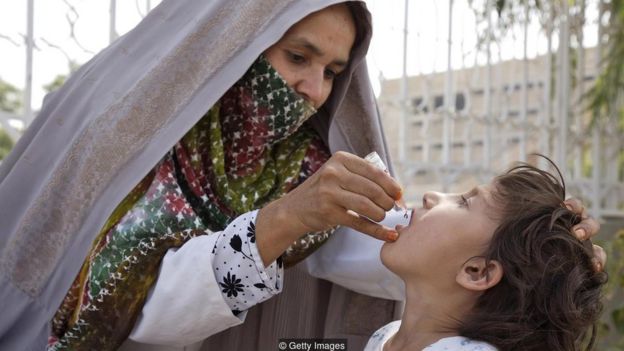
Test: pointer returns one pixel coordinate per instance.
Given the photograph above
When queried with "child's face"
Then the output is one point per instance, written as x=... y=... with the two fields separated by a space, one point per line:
x=442 y=235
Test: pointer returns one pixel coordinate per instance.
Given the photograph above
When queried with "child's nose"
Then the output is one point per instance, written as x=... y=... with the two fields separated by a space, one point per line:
x=430 y=199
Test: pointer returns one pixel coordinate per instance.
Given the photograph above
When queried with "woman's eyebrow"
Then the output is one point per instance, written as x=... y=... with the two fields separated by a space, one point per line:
x=304 y=42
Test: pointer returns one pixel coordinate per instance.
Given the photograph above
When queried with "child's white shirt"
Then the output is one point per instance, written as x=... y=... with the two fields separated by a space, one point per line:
x=453 y=343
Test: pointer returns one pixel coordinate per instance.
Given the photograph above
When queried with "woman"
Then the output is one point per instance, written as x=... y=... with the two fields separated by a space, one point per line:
x=496 y=268
x=70 y=190
x=104 y=131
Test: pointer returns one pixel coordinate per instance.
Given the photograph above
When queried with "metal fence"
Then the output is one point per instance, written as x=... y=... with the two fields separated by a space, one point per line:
x=468 y=123
x=75 y=48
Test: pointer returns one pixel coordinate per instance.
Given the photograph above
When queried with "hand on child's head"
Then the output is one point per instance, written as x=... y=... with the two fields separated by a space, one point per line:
x=586 y=229
x=600 y=258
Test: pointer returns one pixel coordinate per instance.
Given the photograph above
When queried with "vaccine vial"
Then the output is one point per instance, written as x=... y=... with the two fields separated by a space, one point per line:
x=374 y=158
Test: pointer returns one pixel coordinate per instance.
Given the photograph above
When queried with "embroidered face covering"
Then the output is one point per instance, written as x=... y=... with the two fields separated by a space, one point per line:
x=249 y=149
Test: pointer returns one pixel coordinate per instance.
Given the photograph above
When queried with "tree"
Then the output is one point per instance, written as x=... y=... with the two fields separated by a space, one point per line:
x=6 y=144
x=10 y=101
x=10 y=97
x=60 y=79
x=605 y=103
x=606 y=96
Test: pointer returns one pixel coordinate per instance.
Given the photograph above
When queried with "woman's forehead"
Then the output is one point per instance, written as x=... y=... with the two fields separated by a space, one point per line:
x=337 y=12
x=335 y=17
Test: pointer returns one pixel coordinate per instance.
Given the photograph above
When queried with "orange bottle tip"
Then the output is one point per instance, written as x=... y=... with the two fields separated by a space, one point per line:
x=392 y=236
x=399 y=196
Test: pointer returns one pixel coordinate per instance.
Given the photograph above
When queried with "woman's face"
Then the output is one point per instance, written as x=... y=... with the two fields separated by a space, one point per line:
x=314 y=51
x=442 y=235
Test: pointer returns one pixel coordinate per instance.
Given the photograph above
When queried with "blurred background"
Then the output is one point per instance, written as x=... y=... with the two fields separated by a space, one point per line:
x=465 y=88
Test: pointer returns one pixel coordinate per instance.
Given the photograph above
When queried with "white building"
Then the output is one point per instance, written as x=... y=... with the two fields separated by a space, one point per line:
x=495 y=116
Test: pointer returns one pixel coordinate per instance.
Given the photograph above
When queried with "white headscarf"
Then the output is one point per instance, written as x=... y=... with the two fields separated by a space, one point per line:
x=97 y=136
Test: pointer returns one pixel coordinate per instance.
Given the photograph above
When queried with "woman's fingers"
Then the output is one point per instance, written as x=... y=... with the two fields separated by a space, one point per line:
x=600 y=258
x=575 y=205
x=362 y=205
x=345 y=174
x=367 y=188
x=588 y=227
x=366 y=226
x=348 y=191
x=357 y=165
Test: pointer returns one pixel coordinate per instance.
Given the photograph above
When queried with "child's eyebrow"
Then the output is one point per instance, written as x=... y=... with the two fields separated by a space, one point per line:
x=476 y=191
x=482 y=193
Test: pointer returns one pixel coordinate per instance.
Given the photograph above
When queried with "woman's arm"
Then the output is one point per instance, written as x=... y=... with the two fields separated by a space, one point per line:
x=190 y=299
x=206 y=286
x=346 y=191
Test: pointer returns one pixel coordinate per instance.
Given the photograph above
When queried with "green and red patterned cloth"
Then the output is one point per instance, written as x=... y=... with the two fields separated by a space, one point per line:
x=250 y=148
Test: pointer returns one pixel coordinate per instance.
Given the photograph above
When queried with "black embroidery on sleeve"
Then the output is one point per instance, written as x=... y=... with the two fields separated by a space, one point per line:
x=231 y=285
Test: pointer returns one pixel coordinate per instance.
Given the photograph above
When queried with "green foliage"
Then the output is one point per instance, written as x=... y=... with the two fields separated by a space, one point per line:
x=10 y=97
x=58 y=81
x=621 y=167
x=6 y=144
x=618 y=319
x=509 y=14
x=10 y=101
x=611 y=328
x=606 y=95
x=605 y=100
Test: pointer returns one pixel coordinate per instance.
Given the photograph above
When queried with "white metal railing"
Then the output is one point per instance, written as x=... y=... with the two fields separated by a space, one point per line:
x=550 y=119
x=503 y=124
x=33 y=38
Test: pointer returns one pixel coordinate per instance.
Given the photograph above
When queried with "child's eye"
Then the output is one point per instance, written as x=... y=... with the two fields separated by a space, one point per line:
x=463 y=202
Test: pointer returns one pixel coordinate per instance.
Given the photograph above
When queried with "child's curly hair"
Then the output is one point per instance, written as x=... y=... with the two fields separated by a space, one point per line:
x=550 y=295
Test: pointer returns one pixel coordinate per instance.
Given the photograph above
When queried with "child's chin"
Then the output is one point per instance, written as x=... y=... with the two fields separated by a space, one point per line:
x=385 y=256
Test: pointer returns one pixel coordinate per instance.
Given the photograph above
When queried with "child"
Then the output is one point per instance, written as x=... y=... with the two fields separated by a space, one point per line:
x=496 y=268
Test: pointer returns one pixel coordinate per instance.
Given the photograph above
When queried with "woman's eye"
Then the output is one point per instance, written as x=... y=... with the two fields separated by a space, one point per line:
x=295 y=57
x=329 y=74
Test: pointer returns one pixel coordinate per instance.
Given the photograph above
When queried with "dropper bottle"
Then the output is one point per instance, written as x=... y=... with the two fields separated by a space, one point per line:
x=374 y=158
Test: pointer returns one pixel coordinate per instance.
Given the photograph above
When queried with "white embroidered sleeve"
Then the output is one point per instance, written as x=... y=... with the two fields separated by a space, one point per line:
x=205 y=286
x=238 y=267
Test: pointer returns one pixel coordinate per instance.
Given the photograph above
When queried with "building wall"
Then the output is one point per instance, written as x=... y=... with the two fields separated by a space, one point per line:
x=485 y=134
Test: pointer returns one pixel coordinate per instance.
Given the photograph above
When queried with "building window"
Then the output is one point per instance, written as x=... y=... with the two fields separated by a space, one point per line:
x=438 y=101
x=420 y=105
x=460 y=102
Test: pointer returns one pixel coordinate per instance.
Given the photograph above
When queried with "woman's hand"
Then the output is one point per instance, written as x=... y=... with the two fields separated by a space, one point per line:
x=346 y=191
x=586 y=229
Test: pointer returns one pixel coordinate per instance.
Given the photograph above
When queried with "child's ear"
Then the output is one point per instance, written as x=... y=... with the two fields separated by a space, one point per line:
x=477 y=274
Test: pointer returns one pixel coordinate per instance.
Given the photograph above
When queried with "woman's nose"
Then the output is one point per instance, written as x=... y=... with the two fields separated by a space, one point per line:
x=312 y=88
x=430 y=199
